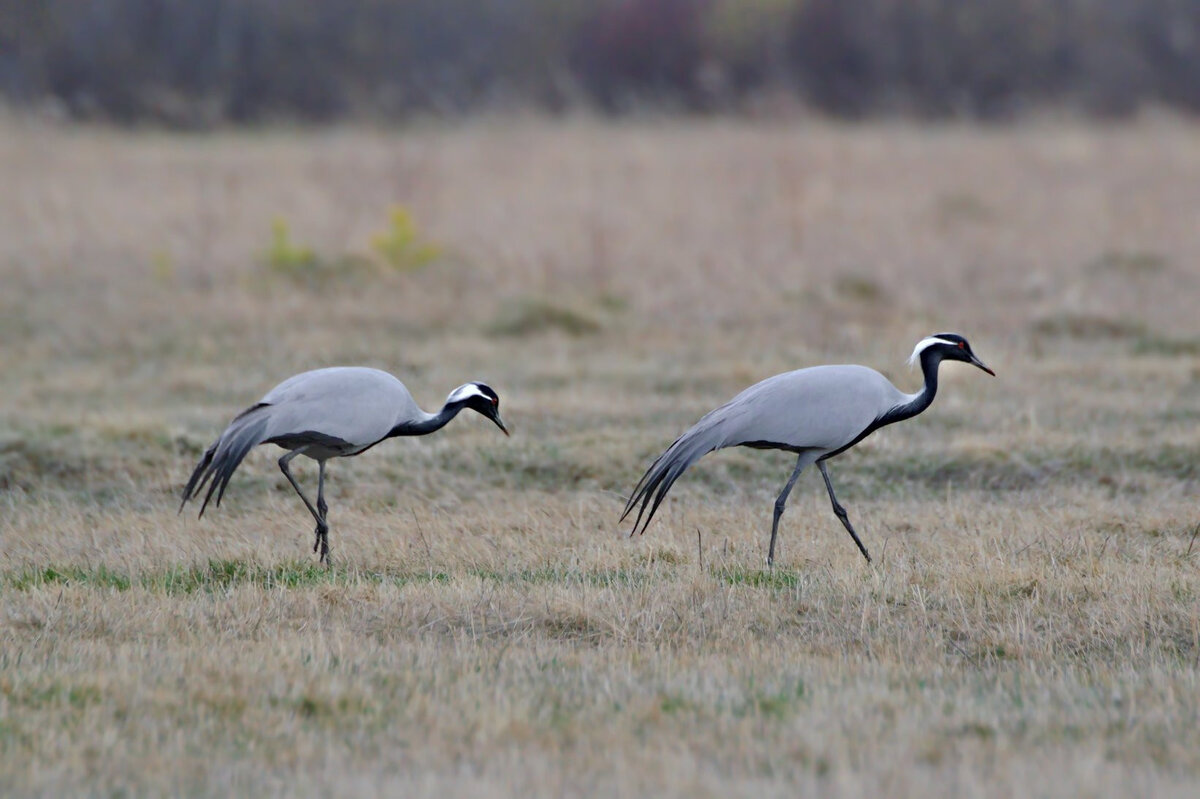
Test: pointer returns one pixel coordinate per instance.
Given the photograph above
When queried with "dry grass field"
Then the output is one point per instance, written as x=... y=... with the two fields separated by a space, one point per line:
x=1030 y=626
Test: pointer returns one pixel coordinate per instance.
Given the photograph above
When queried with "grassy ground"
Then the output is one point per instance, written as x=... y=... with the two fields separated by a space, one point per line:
x=1030 y=625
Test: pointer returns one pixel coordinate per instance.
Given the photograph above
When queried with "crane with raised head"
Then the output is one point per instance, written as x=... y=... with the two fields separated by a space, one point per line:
x=816 y=413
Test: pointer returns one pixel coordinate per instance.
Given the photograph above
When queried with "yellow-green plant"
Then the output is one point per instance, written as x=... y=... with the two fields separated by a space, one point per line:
x=400 y=246
x=284 y=255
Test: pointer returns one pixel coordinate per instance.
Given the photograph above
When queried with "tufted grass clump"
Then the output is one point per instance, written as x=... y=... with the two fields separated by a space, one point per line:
x=1087 y=326
x=529 y=316
x=1133 y=263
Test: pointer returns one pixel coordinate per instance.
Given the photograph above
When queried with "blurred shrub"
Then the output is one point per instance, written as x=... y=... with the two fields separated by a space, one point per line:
x=284 y=256
x=648 y=49
x=203 y=63
x=746 y=44
x=399 y=246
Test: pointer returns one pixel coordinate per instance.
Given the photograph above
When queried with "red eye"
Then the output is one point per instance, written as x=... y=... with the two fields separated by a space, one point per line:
x=961 y=345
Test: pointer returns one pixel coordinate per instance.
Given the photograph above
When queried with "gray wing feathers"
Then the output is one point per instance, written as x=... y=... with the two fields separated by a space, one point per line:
x=357 y=405
x=822 y=408
x=220 y=460
x=652 y=489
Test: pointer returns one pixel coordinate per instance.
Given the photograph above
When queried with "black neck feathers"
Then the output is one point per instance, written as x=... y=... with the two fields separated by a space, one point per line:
x=430 y=424
x=929 y=368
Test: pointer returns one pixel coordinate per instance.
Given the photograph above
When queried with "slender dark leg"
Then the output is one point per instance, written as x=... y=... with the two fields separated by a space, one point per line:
x=781 y=502
x=840 y=511
x=322 y=528
x=323 y=509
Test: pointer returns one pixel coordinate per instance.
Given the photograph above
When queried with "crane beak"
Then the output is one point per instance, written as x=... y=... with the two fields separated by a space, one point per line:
x=500 y=423
x=981 y=365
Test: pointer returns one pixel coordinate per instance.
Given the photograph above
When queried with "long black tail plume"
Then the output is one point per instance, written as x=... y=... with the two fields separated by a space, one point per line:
x=652 y=489
x=220 y=460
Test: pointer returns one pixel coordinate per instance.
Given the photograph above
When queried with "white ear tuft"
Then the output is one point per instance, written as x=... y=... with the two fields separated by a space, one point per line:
x=463 y=392
x=923 y=345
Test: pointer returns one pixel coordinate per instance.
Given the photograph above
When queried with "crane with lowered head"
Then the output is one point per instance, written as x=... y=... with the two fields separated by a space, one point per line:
x=328 y=413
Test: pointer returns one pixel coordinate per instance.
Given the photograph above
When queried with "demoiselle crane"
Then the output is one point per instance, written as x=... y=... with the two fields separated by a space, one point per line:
x=328 y=413
x=816 y=413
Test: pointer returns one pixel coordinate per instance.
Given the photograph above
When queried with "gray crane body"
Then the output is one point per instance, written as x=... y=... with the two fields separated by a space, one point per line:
x=328 y=413
x=790 y=407
x=368 y=405
x=817 y=413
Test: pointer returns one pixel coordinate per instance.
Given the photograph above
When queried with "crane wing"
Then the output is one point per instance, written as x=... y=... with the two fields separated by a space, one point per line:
x=355 y=405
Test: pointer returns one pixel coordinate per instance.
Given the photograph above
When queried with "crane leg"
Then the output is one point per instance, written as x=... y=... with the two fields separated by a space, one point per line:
x=322 y=528
x=781 y=503
x=840 y=511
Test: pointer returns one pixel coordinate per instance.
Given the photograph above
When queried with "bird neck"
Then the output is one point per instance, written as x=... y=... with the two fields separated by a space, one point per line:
x=429 y=423
x=922 y=399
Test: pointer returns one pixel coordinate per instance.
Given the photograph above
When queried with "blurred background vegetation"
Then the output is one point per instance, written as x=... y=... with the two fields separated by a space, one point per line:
x=195 y=65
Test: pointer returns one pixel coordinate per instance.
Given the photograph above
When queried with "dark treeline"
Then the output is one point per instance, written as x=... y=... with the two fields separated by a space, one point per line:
x=196 y=63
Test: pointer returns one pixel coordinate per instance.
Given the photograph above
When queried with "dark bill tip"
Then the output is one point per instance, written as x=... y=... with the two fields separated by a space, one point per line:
x=982 y=365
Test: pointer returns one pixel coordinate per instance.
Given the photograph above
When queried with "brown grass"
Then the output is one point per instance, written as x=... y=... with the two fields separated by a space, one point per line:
x=1030 y=625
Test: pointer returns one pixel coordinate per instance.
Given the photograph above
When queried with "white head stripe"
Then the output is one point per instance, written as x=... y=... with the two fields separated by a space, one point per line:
x=924 y=344
x=465 y=391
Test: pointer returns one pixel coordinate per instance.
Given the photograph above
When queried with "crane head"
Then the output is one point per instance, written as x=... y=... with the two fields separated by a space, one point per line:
x=480 y=398
x=947 y=347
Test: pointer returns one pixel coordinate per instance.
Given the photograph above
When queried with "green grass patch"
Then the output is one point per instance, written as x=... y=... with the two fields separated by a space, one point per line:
x=97 y=577
x=1129 y=262
x=673 y=703
x=546 y=575
x=320 y=707
x=759 y=578
x=53 y=694
x=213 y=577
x=217 y=576
x=1154 y=344
x=220 y=575
x=774 y=703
